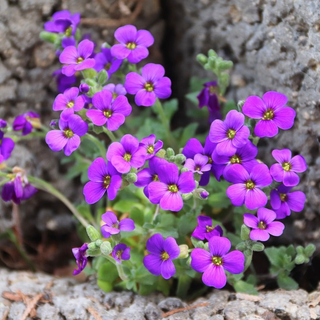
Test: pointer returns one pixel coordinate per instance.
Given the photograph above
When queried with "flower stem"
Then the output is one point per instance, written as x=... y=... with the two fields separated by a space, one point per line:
x=98 y=143
x=122 y=275
x=156 y=212
x=109 y=134
x=44 y=186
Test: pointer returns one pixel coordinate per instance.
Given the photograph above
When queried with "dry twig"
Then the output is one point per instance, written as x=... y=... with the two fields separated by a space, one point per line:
x=167 y=314
x=94 y=313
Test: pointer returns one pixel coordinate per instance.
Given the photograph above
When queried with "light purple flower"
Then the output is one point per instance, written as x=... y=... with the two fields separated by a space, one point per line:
x=285 y=170
x=205 y=230
x=162 y=252
x=3 y=123
x=68 y=137
x=64 y=82
x=126 y=154
x=271 y=111
x=263 y=225
x=77 y=59
x=121 y=252
x=149 y=86
x=283 y=201
x=151 y=146
x=229 y=134
x=199 y=164
x=69 y=102
x=133 y=44
x=26 y=122
x=81 y=258
x=214 y=263
x=167 y=191
x=104 y=60
x=246 y=189
x=104 y=178
x=1 y=158
x=6 y=146
x=113 y=226
x=116 y=90
x=112 y=114
x=63 y=22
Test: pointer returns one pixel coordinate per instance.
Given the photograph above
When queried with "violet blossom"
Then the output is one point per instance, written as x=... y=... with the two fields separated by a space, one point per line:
x=105 y=60
x=151 y=146
x=84 y=88
x=263 y=225
x=3 y=123
x=149 y=86
x=121 y=252
x=64 y=82
x=116 y=90
x=199 y=164
x=80 y=255
x=214 y=263
x=162 y=252
x=104 y=178
x=26 y=122
x=205 y=230
x=271 y=111
x=6 y=146
x=63 y=22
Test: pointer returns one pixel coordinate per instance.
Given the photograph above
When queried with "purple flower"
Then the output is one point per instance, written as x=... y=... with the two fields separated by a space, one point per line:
x=126 y=154
x=133 y=44
x=64 y=82
x=77 y=59
x=104 y=178
x=63 y=22
x=283 y=201
x=193 y=147
x=121 y=252
x=81 y=258
x=263 y=225
x=147 y=175
x=167 y=191
x=69 y=102
x=214 y=263
x=162 y=252
x=6 y=146
x=199 y=164
x=104 y=60
x=151 y=146
x=113 y=114
x=84 y=88
x=26 y=122
x=68 y=137
x=204 y=194
x=285 y=170
x=205 y=230
x=116 y=90
x=271 y=111
x=244 y=156
x=229 y=134
x=88 y=102
x=150 y=85
x=1 y=158
x=113 y=226
x=3 y=123
x=246 y=189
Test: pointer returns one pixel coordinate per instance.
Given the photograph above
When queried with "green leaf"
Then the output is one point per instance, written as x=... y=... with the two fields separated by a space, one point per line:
x=107 y=272
x=89 y=73
x=102 y=76
x=166 y=232
x=242 y=286
x=105 y=286
x=309 y=250
x=163 y=286
x=275 y=256
x=48 y=36
x=187 y=223
x=188 y=132
x=192 y=96
x=286 y=282
x=184 y=282
x=170 y=107
x=219 y=200
x=142 y=275
x=145 y=290
x=124 y=205
x=137 y=215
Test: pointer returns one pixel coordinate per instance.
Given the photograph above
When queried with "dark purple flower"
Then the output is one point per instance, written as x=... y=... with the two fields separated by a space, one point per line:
x=68 y=137
x=88 y=102
x=151 y=146
x=6 y=146
x=263 y=225
x=126 y=154
x=64 y=82
x=162 y=252
x=244 y=156
x=104 y=60
x=285 y=170
x=283 y=201
x=214 y=263
x=81 y=258
x=26 y=122
x=167 y=191
x=104 y=178
x=133 y=44
x=205 y=230
x=204 y=194
x=193 y=147
x=116 y=90
x=199 y=164
x=84 y=88
x=69 y=102
x=112 y=114
x=77 y=59
x=121 y=252
x=271 y=111
x=113 y=226
x=3 y=123
x=229 y=134
x=149 y=86
x=246 y=189
x=147 y=175
x=63 y=22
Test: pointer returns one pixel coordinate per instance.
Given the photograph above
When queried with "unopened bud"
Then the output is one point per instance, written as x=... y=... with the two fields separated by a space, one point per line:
x=184 y=251
x=171 y=159
x=131 y=177
x=300 y=258
x=102 y=76
x=204 y=194
x=3 y=123
x=92 y=246
x=93 y=252
x=184 y=169
x=53 y=124
x=241 y=246
x=106 y=248
x=161 y=153
x=258 y=246
x=201 y=58
x=188 y=262
x=98 y=243
x=186 y=196
x=245 y=232
x=92 y=233
x=212 y=53
x=170 y=152
x=180 y=158
x=106 y=45
x=309 y=250
x=84 y=88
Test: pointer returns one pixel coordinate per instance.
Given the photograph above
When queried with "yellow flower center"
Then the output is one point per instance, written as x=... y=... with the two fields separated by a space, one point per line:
x=79 y=60
x=35 y=122
x=231 y=133
x=68 y=32
x=210 y=161
x=148 y=86
x=217 y=260
x=197 y=168
x=107 y=113
x=286 y=166
x=131 y=45
x=212 y=89
x=155 y=177
x=68 y=133
x=127 y=157
x=119 y=253
x=114 y=95
x=268 y=115
x=283 y=197
x=164 y=256
x=173 y=188
x=262 y=225
x=70 y=104
x=209 y=229
x=150 y=149
x=106 y=181
x=107 y=66
x=250 y=184
x=235 y=159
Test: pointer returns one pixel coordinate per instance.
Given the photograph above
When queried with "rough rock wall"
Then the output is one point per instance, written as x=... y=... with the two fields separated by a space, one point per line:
x=275 y=46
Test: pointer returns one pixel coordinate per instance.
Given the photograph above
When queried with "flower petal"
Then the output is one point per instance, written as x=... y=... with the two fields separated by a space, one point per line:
x=281 y=156
x=171 y=247
x=115 y=121
x=250 y=220
x=218 y=131
x=296 y=200
x=153 y=264
x=298 y=164
x=275 y=228
x=93 y=191
x=219 y=246
x=186 y=182
x=102 y=99
x=234 y=120
x=152 y=72
x=266 y=128
x=69 y=55
x=214 y=276
x=274 y=100
x=155 y=244
x=284 y=118
x=237 y=174
x=290 y=179
x=144 y=38
x=233 y=262
x=138 y=54
x=266 y=215
x=255 y=199
x=162 y=88
x=237 y=194
x=121 y=105
x=114 y=186
x=254 y=107
x=200 y=259
x=125 y=34
x=275 y=200
x=167 y=269
x=97 y=117
x=56 y=140
x=145 y=98
x=259 y=234
x=126 y=225
x=192 y=147
x=156 y=191
x=277 y=172
x=72 y=145
x=120 y=51
x=85 y=48
x=171 y=201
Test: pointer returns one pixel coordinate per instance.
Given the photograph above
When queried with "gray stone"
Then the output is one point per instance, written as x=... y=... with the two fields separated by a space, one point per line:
x=152 y=312
x=170 y=304
x=239 y=309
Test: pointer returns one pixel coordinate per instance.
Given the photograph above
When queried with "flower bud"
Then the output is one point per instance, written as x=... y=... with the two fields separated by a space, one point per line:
x=84 y=88
x=186 y=196
x=170 y=152
x=184 y=169
x=3 y=123
x=98 y=243
x=48 y=36
x=184 y=251
x=93 y=252
x=258 y=246
x=92 y=233
x=188 y=262
x=116 y=237
x=300 y=258
x=212 y=53
x=309 y=250
x=106 y=45
x=102 y=76
x=204 y=194
x=106 y=248
x=53 y=124
x=202 y=59
x=245 y=232
x=241 y=246
x=180 y=158
x=161 y=153
x=92 y=246
x=131 y=177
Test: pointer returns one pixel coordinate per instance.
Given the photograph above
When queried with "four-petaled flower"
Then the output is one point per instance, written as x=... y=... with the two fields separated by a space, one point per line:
x=63 y=82
x=116 y=90
x=271 y=111
x=162 y=252
x=26 y=122
x=105 y=60
x=151 y=146
x=205 y=230
x=133 y=44
x=121 y=252
x=263 y=225
x=214 y=263
x=149 y=86
x=104 y=178
x=199 y=164
x=285 y=170
x=81 y=258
